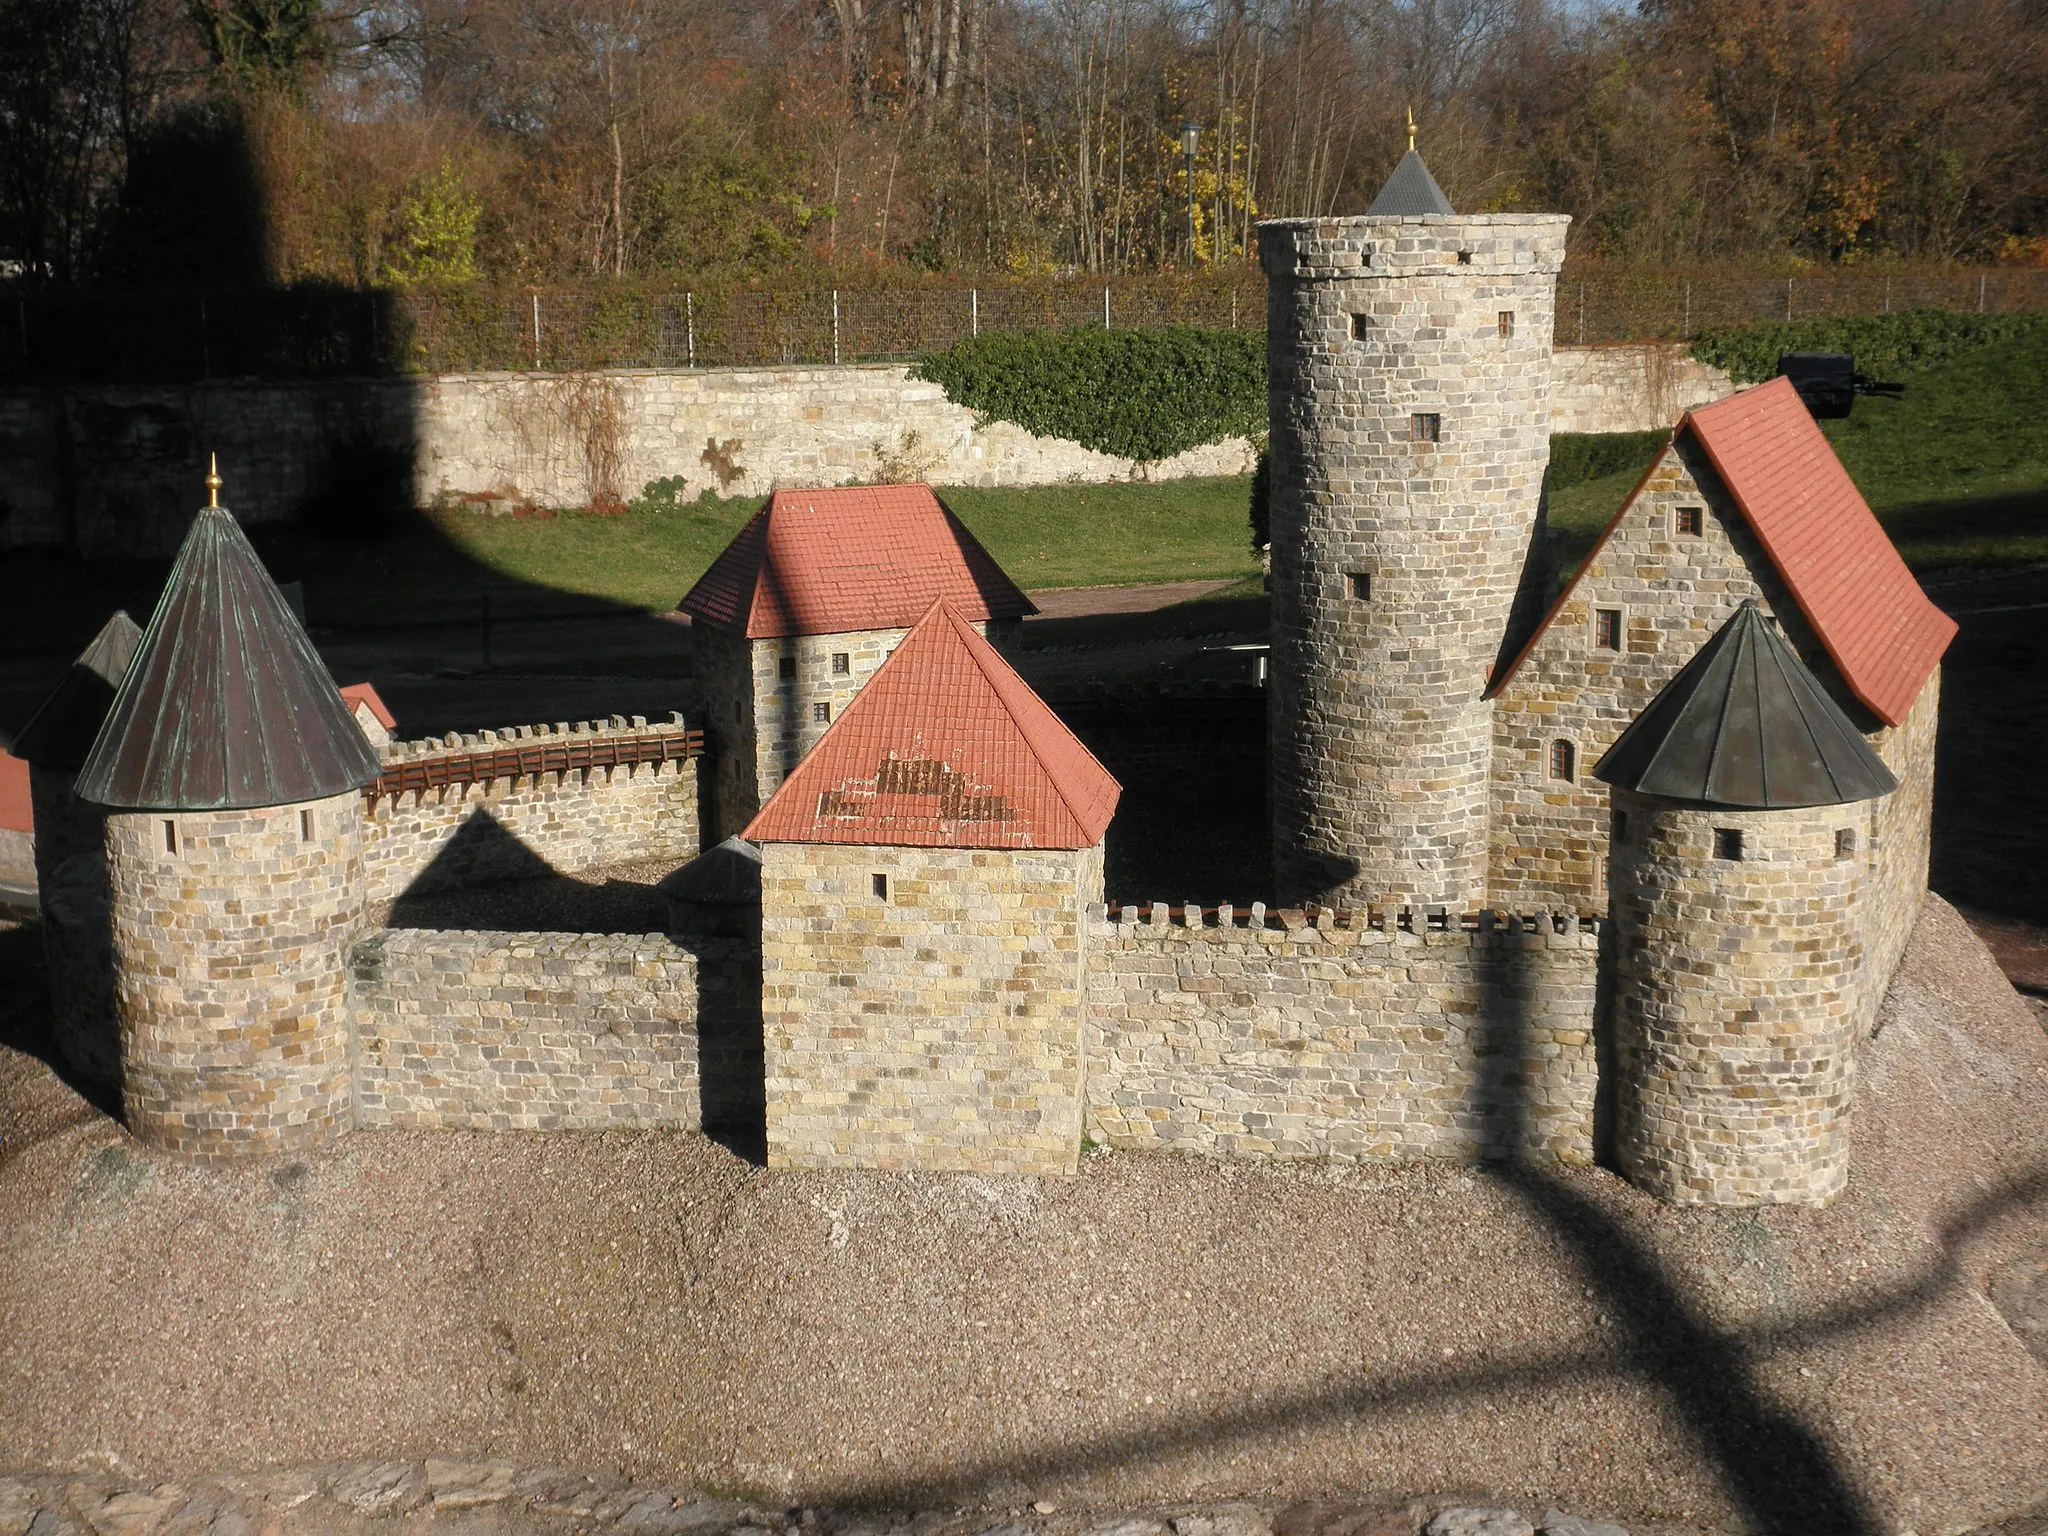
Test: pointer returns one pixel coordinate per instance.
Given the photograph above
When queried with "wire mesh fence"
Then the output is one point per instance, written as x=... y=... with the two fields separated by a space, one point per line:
x=329 y=332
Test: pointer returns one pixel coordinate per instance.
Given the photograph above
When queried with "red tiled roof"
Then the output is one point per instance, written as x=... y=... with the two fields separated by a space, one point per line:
x=363 y=693
x=17 y=811
x=1882 y=632
x=945 y=747
x=824 y=562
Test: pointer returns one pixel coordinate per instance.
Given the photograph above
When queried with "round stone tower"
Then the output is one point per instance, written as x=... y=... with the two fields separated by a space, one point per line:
x=1408 y=355
x=1742 y=808
x=232 y=775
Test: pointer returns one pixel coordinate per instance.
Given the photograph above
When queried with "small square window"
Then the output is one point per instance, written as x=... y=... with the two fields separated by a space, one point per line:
x=785 y=669
x=738 y=713
x=1607 y=629
x=1464 y=258
x=1845 y=843
x=1564 y=761
x=1690 y=522
x=1360 y=327
x=1507 y=324
x=821 y=713
x=1728 y=843
x=881 y=887
x=842 y=663
x=1425 y=427
x=305 y=826
x=170 y=837
x=1359 y=585
x=1620 y=825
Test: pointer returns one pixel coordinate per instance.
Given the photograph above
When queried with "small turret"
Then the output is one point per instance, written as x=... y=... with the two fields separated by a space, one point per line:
x=231 y=773
x=1742 y=808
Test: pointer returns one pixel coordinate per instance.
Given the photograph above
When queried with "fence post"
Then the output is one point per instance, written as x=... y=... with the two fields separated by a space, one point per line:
x=536 y=333
x=1233 y=309
x=974 y=311
x=1686 y=329
x=1105 y=306
x=372 y=297
x=1887 y=295
x=1788 y=298
x=1980 y=292
x=690 y=325
x=1582 y=314
x=835 y=327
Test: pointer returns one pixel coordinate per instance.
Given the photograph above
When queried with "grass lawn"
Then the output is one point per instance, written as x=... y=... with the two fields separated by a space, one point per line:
x=1957 y=470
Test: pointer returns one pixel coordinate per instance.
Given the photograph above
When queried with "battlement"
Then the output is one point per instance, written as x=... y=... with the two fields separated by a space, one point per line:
x=1258 y=924
x=458 y=760
x=1439 y=245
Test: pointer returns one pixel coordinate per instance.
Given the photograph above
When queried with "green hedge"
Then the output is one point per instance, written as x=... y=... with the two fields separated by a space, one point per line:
x=1576 y=457
x=1884 y=346
x=1142 y=395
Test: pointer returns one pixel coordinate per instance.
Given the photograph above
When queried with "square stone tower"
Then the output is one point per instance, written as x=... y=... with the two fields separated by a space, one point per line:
x=802 y=607
x=1409 y=364
x=925 y=878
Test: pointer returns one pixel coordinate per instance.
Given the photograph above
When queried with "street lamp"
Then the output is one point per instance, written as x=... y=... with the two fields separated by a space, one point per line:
x=1191 y=141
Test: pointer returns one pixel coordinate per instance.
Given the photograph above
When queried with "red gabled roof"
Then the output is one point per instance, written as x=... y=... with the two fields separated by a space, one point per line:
x=362 y=693
x=1882 y=632
x=945 y=747
x=825 y=562
x=17 y=809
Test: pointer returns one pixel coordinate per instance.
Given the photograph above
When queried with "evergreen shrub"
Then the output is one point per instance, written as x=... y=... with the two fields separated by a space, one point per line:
x=1887 y=347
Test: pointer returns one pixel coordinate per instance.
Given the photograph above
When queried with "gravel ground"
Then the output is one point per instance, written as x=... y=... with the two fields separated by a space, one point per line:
x=1156 y=1330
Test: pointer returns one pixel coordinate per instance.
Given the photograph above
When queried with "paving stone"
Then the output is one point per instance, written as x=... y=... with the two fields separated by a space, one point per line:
x=133 y=1514
x=379 y=1488
x=1467 y=1521
x=465 y=1485
x=1557 y=1523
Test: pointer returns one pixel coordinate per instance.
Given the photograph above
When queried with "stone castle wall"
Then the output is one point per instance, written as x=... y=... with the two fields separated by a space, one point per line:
x=109 y=470
x=937 y=1025
x=1408 y=369
x=1328 y=1040
x=525 y=1031
x=1737 y=983
x=513 y=826
x=230 y=932
x=1630 y=388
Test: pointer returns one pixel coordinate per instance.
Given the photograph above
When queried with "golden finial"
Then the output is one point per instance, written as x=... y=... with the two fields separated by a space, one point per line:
x=1411 y=130
x=213 y=481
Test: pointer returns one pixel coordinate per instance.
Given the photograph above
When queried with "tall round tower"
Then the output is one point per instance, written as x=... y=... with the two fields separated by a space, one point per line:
x=1742 y=810
x=1408 y=355
x=232 y=774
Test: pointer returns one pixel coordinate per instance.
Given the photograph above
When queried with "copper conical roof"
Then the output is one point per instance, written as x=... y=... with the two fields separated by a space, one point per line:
x=1410 y=192
x=226 y=705
x=61 y=731
x=1746 y=725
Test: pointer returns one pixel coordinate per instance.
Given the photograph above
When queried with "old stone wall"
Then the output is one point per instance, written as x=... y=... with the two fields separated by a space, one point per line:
x=1408 y=371
x=1737 y=981
x=1900 y=840
x=1235 y=1036
x=526 y=1031
x=933 y=1023
x=230 y=932
x=509 y=827
x=111 y=470
x=1632 y=388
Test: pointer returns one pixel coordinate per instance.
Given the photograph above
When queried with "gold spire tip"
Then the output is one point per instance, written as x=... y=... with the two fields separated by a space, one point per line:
x=213 y=481
x=1411 y=130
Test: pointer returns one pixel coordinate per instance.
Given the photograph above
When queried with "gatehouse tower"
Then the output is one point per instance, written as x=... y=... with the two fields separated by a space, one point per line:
x=1409 y=366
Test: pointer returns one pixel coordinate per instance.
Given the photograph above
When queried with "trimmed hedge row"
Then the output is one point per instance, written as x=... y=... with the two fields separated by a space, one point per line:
x=1884 y=346
x=1143 y=395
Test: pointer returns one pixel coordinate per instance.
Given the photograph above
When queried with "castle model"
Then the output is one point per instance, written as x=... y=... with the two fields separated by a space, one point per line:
x=1619 y=872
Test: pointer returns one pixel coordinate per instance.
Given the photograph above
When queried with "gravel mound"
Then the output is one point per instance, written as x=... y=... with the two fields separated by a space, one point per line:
x=1155 y=1331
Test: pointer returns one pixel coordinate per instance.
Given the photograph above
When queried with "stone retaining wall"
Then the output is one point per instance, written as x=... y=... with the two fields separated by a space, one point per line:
x=524 y=1031
x=1311 y=1039
x=114 y=469
x=420 y=841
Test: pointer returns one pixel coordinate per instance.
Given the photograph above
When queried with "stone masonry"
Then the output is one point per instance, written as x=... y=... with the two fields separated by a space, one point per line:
x=1408 y=364
x=420 y=841
x=936 y=1024
x=231 y=931
x=1229 y=1034
x=1737 y=981
x=525 y=1031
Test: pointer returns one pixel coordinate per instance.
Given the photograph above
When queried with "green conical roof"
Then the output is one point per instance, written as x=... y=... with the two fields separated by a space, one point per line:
x=226 y=705
x=1745 y=725
x=61 y=731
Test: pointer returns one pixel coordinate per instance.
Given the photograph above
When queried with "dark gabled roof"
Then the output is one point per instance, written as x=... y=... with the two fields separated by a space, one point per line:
x=227 y=704
x=61 y=731
x=1411 y=192
x=1746 y=725
x=726 y=876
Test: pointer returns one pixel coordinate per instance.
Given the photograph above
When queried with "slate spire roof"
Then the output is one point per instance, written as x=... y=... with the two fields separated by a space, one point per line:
x=945 y=747
x=1410 y=192
x=826 y=562
x=1746 y=725
x=226 y=704
x=61 y=731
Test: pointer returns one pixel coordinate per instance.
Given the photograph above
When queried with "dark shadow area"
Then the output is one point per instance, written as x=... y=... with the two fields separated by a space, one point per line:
x=25 y=1021
x=731 y=1058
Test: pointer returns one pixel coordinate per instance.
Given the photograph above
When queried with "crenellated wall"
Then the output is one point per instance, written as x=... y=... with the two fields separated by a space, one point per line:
x=1233 y=1033
x=486 y=820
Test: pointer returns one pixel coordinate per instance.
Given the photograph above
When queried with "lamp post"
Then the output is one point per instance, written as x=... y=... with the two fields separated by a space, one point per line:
x=1190 y=141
